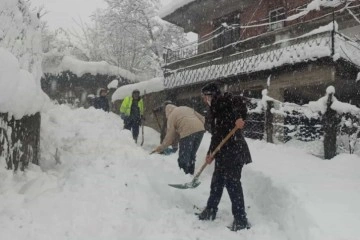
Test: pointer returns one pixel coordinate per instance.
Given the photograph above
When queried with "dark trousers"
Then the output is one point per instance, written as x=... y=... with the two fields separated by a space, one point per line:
x=188 y=147
x=234 y=188
x=133 y=125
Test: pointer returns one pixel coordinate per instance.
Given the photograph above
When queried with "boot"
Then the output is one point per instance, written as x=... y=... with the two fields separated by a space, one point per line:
x=208 y=214
x=239 y=225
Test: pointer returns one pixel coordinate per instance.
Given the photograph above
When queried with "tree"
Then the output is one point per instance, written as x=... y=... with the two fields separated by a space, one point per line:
x=129 y=34
x=20 y=33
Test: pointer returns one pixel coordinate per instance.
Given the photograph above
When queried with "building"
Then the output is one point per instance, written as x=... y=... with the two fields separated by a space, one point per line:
x=294 y=48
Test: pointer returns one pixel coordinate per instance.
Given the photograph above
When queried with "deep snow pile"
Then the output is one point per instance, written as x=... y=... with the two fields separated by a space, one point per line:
x=20 y=59
x=107 y=187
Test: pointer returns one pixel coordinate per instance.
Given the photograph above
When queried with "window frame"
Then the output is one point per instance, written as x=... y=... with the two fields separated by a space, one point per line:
x=274 y=23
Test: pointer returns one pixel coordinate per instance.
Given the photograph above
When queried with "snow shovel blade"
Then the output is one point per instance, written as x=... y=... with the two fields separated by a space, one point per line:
x=193 y=184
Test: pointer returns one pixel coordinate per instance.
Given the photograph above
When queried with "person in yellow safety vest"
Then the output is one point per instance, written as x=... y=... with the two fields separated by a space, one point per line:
x=132 y=112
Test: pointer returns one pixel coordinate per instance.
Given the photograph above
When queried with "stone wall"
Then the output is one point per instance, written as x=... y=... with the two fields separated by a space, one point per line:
x=20 y=140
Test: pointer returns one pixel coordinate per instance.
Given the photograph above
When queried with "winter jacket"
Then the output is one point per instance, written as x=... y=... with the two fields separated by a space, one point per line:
x=101 y=103
x=125 y=107
x=182 y=121
x=221 y=118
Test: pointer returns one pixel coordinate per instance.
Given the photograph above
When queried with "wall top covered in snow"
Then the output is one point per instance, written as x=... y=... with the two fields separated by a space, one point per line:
x=153 y=85
x=55 y=64
x=20 y=93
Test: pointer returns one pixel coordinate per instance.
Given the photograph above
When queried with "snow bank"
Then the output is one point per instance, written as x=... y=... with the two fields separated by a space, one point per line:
x=152 y=85
x=20 y=59
x=52 y=64
x=107 y=187
x=20 y=93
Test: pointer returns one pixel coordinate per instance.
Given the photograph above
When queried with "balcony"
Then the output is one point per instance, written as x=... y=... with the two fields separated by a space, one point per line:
x=226 y=62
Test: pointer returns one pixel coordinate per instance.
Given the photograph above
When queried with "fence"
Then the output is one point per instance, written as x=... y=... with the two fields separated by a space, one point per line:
x=323 y=128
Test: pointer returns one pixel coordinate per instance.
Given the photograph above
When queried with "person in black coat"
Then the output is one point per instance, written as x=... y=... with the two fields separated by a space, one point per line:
x=102 y=102
x=226 y=112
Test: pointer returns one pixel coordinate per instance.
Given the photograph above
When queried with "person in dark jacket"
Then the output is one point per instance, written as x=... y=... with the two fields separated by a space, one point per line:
x=226 y=112
x=102 y=102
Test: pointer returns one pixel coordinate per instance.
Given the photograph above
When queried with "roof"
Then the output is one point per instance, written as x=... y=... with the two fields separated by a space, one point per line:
x=189 y=14
x=172 y=5
x=57 y=63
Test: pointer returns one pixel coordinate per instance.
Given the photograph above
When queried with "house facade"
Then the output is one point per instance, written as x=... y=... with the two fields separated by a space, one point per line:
x=295 y=49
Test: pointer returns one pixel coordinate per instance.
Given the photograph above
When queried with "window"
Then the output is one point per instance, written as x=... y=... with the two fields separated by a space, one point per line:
x=275 y=16
x=230 y=27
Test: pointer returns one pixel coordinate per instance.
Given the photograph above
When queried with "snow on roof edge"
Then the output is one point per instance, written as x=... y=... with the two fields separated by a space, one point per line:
x=55 y=64
x=175 y=5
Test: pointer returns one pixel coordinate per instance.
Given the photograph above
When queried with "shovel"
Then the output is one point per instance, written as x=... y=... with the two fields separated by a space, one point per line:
x=195 y=182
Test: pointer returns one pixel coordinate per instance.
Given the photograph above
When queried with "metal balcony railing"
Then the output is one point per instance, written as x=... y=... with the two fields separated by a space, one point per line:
x=290 y=51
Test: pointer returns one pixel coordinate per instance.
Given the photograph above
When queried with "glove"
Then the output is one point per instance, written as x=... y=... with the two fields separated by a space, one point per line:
x=157 y=150
x=169 y=151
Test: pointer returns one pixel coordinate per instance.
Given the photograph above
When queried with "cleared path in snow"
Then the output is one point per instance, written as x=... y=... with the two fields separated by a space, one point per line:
x=107 y=187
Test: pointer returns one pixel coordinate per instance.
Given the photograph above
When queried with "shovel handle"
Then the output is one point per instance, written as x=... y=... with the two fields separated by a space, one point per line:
x=230 y=134
x=217 y=149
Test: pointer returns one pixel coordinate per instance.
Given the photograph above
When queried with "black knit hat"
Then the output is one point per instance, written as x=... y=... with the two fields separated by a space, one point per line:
x=211 y=89
x=136 y=91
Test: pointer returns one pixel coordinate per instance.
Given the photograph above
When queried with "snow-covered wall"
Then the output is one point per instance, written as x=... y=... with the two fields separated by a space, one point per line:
x=152 y=85
x=56 y=64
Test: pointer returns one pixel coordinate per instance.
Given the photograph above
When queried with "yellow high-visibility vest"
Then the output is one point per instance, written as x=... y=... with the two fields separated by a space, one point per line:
x=125 y=107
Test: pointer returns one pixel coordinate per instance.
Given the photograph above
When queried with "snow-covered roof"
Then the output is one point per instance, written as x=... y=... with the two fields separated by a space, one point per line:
x=152 y=85
x=56 y=64
x=171 y=6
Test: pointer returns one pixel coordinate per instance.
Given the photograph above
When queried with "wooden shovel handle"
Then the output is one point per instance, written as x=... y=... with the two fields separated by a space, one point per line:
x=230 y=134
x=217 y=149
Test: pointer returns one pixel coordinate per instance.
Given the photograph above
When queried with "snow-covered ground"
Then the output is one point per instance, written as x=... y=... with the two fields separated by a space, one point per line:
x=107 y=187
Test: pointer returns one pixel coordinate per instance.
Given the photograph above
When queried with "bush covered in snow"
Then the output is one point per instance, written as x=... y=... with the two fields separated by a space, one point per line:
x=20 y=59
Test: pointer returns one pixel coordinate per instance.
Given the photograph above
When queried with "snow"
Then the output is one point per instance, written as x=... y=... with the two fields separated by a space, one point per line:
x=107 y=187
x=79 y=67
x=358 y=77
x=326 y=28
x=113 y=84
x=171 y=6
x=20 y=60
x=316 y=5
x=150 y=86
x=20 y=93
